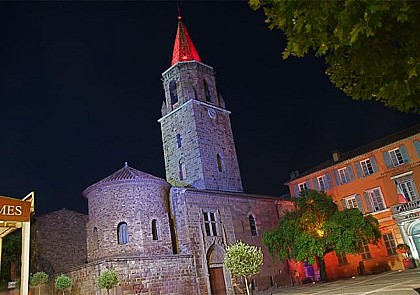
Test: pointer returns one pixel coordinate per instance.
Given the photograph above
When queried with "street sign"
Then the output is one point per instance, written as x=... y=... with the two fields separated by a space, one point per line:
x=14 y=210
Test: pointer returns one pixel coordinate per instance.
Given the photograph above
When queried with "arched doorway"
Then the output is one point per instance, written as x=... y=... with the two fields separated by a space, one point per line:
x=217 y=276
x=415 y=234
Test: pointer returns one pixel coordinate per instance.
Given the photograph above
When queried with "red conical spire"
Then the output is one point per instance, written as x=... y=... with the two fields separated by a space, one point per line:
x=184 y=49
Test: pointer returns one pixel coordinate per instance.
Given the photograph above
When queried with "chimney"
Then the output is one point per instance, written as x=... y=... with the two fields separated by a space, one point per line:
x=336 y=156
x=294 y=174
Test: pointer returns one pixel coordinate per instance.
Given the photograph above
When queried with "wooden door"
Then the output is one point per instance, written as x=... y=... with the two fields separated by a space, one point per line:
x=217 y=281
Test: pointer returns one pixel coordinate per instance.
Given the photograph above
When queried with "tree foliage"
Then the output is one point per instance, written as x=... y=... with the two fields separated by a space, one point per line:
x=108 y=280
x=316 y=227
x=37 y=279
x=63 y=282
x=243 y=260
x=371 y=48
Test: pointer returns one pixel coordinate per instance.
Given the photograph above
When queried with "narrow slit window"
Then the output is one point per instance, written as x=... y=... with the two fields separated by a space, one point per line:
x=207 y=91
x=219 y=163
x=154 y=230
x=179 y=140
x=252 y=225
x=182 y=170
x=173 y=92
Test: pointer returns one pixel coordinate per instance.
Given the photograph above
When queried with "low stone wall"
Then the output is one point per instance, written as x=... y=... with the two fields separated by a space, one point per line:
x=162 y=275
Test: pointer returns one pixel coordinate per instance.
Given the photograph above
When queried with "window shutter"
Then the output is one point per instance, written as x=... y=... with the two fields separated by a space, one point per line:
x=308 y=184
x=343 y=203
x=417 y=146
x=296 y=190
x=404 y=154
x=337 y=181
x=351 y=174
x=360 y=204
x=315 y=181
x=374 y=165
x=367 y=202
x=387 y=159
x=329 y=183
x=358 y=170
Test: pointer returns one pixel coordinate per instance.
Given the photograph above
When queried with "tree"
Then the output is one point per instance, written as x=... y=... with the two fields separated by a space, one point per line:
x=108 y=280
x=243 y=260
x=11 y=255
x=38 y=279
x=316 y=227
x=63 y=282
x=371 y=48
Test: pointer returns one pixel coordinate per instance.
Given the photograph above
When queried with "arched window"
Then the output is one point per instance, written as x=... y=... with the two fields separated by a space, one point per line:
x=173 y=92
x=154 y=230
x=252 y=225
x=182 y=170
x=122 y=232
x=95 y=239
x=207 y=91
x=219 y=163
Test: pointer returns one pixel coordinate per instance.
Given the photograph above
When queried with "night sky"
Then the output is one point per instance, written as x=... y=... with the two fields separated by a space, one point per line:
x=80 y=94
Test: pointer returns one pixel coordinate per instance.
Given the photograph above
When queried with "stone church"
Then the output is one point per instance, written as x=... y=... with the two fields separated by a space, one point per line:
x=169 y=236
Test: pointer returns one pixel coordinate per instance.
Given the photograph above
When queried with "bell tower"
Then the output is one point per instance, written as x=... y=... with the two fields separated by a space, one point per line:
x=198 y=144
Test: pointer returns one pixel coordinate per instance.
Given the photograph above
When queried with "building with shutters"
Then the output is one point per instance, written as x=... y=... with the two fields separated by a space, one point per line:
x=382 y=179
x=170 y=236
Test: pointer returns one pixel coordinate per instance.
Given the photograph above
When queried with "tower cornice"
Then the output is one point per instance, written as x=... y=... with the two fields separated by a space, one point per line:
x=196 y=102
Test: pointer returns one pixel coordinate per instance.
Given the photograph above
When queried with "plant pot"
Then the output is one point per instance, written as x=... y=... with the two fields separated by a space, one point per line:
x=408 y=263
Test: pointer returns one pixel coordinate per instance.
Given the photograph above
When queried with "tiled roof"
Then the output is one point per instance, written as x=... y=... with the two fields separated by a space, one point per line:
x=365 y=149
x=126 y=175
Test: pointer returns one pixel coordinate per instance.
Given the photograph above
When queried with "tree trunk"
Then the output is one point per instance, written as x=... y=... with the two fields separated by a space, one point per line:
x=247 y=287
x=322 y=270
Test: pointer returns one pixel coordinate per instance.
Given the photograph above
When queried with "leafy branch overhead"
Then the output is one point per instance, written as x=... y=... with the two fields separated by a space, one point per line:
x=371 y=48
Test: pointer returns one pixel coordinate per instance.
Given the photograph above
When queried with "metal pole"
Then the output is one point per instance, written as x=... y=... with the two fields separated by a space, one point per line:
x=24 y=273
x=1 y=249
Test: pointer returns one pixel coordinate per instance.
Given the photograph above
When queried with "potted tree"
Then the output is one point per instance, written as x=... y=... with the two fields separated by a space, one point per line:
x=404 y=249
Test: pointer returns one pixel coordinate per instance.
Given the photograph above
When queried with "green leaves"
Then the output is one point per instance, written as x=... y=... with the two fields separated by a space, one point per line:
x=38 y=278
x=63 y=282
x=108 y=280
x=316 y=227
x=242 y=259
x=365 y=44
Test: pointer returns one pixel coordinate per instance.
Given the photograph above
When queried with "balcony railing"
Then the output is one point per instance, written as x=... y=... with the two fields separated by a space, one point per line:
x=406 y=207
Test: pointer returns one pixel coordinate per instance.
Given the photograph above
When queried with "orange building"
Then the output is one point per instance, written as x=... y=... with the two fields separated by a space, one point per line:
x=382 y=179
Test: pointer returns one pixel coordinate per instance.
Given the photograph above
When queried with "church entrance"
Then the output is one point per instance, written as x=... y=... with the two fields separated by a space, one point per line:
x=217 y=281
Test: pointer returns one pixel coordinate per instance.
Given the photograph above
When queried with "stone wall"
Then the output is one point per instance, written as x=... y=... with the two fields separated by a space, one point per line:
x=232 y=215
x=159 y=275
x=61 y=238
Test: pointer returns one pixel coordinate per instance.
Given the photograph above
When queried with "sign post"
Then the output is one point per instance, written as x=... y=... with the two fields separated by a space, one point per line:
x=15 y=214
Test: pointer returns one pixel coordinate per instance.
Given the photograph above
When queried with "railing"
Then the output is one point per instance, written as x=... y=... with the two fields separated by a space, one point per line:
x=406 y=207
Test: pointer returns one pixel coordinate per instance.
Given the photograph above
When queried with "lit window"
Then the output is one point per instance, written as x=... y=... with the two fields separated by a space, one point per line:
x=322 y=183
x=154 y=230
x=173 y=92
x=344 y=175
x=374 y=200
x=396 y=157
x=408 y=188
x=122 y=232
x=252 y=225
x=351 y=203
x=210 y=223
x=365 y=251
x=302 y=186
x=342 y=258
x=367 y=168
x=390 y=244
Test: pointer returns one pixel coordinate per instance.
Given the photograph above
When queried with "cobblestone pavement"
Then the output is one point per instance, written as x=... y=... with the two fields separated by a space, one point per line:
x=394 y=282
